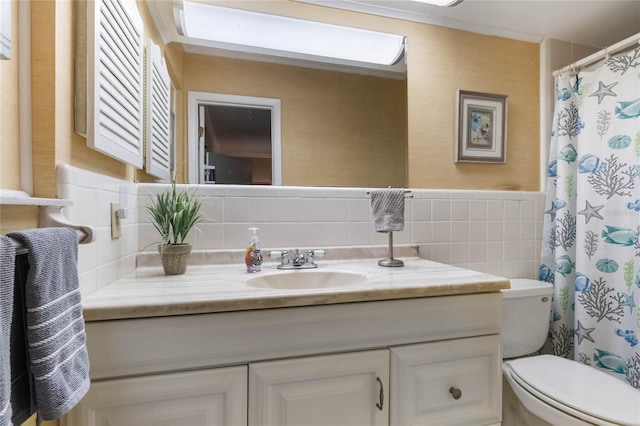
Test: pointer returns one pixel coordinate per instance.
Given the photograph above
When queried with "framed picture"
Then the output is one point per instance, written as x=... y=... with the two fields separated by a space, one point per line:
x=481 y=128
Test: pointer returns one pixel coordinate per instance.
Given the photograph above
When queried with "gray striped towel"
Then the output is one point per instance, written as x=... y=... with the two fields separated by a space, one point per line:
x=7 y=269
x=387 y=207
x=55 y=325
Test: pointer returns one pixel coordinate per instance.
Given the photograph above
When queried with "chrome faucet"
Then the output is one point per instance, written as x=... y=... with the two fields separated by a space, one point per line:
x=296 y=258
x=299 y=259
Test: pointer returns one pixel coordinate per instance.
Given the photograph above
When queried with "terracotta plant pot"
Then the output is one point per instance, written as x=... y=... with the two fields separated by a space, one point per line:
x=174 y=258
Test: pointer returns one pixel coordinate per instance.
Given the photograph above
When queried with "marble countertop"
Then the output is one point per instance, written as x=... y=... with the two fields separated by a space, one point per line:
x=147 y=292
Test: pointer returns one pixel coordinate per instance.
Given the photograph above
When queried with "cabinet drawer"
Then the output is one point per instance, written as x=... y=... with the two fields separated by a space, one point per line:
x=451 y=382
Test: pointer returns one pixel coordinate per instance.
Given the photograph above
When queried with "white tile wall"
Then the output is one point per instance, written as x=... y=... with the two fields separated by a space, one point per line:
x=105 y=260
x=491 y=231
x=497 y=232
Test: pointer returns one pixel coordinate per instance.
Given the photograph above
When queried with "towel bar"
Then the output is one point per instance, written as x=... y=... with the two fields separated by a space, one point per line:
x=22 y=249
x=391 y=261
x=406 y=191
x=51 y=216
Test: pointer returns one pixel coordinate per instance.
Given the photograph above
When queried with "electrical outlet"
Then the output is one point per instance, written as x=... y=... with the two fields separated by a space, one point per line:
x=116 y=230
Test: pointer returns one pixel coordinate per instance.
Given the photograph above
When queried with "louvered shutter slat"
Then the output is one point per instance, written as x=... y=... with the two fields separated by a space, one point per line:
x=158 y=114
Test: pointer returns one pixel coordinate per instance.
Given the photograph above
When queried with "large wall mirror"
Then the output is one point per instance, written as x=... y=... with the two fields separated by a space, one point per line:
x=346 y=125
x=341 y=122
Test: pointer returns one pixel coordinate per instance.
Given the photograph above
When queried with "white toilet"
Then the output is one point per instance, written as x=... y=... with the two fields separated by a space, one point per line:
x=550 y=390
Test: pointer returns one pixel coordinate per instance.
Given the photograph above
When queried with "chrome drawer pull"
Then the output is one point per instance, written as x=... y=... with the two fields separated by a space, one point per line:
x=455 y=392
x=381 y=396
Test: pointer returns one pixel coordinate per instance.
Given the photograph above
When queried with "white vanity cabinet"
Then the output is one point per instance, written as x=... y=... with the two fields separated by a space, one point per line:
x=212 y=397
x=352 y=364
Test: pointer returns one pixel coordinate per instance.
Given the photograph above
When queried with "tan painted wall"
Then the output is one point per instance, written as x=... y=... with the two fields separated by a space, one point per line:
x=445 y=60
x=338 y=129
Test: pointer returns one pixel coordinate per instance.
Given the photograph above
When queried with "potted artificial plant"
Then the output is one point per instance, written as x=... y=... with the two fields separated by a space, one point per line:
x=174 y=213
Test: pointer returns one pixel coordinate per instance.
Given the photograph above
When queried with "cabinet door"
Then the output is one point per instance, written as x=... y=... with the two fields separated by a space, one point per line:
x=453 y=382
x=332 y=390
x=207 y=397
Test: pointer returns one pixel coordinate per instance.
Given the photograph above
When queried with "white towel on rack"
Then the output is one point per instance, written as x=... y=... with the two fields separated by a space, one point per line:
x=55 y=325
x=7 y=269
x=387 y=208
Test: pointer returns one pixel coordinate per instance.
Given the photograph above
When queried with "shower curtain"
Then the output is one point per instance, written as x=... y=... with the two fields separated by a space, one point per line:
x=591 y=235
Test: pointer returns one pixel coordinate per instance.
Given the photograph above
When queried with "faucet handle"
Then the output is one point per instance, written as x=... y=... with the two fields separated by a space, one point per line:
x=283 y=255
x=318 y=253
x=308 y=257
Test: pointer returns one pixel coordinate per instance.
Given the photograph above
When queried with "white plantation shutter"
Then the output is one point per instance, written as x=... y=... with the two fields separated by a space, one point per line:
x=158 y=114
x=115 y=79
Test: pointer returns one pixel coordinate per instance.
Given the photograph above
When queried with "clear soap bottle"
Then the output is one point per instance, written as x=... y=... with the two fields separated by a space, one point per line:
x=253 y=255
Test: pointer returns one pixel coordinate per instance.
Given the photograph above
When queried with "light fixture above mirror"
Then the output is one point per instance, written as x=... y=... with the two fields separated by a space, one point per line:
x=253 y=32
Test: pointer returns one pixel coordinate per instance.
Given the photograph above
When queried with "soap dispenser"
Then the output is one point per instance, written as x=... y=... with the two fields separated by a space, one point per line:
x=253 y=256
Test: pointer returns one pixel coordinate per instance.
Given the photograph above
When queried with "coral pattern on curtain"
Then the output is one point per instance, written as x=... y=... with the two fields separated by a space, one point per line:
x=591 y=239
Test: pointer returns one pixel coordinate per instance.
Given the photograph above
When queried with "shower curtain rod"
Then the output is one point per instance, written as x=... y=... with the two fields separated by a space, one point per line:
x=621 y=45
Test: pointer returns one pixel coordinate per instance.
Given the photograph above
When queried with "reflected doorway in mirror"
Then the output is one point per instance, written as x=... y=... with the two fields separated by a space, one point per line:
x=233 y=139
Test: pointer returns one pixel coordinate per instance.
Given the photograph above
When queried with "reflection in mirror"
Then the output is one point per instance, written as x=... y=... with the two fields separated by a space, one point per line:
x=237 y=145
x=343 y=123
x=265 y=33
x=233 y=139
x=337 y=129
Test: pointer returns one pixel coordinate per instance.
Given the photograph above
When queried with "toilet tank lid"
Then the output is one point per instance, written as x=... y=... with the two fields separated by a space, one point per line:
x=522 y=287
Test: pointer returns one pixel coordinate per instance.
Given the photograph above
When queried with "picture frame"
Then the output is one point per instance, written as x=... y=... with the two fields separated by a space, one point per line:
x=481 y=127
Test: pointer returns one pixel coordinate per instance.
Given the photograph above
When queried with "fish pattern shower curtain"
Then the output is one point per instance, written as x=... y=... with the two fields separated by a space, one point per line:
x=591 y=236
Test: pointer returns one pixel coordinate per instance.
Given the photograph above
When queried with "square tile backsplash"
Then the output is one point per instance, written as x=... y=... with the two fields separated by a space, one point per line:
x=490 y=231
x=497 y=232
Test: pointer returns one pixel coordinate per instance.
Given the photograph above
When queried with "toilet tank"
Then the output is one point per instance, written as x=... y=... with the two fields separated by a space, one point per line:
x=526 y=311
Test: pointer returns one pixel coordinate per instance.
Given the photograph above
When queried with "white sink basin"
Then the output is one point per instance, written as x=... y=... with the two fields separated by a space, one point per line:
x=305 y=279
